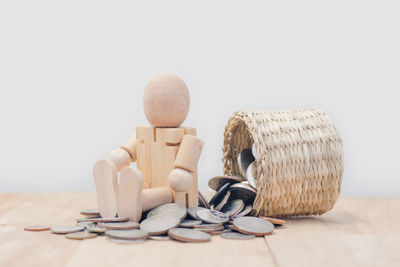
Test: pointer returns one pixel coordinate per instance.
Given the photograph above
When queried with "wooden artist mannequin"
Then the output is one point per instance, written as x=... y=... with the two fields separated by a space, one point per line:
x=166 y=156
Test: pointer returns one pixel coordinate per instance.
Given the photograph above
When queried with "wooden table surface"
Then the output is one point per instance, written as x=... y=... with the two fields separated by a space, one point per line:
x=357 y=232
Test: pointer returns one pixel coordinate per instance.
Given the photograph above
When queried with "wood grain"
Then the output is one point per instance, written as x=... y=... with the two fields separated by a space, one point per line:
x=357 y=232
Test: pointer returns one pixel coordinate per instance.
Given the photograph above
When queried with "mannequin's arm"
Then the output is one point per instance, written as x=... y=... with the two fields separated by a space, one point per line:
x=181 y=178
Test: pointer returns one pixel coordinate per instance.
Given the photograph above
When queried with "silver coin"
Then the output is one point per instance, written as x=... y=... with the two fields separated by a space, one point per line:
x=254 y=151
x=120 y=226
x=85 y=224
x=245 y=157
x=212 y=216
x=247 y=210
x=253 y=226
x=243 y=191
x=96 y=229
x=208 y=225
x=235 y=235
x=223 y=201
x=170 y=209
x=99 y=219
x=127 y=234
x=221 y=232
x=193 y=212
x=188 y=235
x=157 y=225
x=190 y=223
x=202 y=201
x=218 y=181
x=67 y=229
x=125 y=241
x=90 y=212
x=159 y=237
x=208 y=194
x=211 y=230
x=250 y=175
x=233 y=207
x=81 y=235
x=219 y=195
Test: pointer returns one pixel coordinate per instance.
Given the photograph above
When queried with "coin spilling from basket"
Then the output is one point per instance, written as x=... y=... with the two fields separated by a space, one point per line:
x=225 y=210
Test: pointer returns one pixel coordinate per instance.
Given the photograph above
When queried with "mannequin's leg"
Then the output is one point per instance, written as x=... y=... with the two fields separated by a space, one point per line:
x=105 y=180
x=130 y=198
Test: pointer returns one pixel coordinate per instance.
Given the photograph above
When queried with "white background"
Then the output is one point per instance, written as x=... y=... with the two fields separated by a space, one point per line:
x=72 y=74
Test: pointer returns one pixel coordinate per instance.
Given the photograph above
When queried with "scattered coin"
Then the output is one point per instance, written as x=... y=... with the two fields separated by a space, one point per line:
x=120 y=226
x=220 y=194
x=247 y=210
x=90 y=212
x=245 y=157
x=66 y=229
x=218 y=181
x=37 y=228
x=274 y=220
x=85 y=224
x=160 y=237
x=221 y=232
x=208 y=225
x=235 y=235
x=99 y=219
x=125 y=241
x=96 y=229
x=193 y=212
x=127 y=234
x=243 y=191
x=253 y=226
x=233 y=207
x=223 y=201
x=190 y=223
x=81 y=235
x=212 y=216
x=208 y=194
x=188 y=235
x=157 y=225
x=250 y=175
x=202 y=201
x=170 y=209
x=210 y=230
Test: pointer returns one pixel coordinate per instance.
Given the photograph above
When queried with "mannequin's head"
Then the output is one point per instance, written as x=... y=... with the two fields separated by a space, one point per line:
x=166 y=101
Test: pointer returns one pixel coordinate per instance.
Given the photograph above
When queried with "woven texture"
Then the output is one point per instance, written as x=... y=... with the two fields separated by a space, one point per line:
x=300 y=159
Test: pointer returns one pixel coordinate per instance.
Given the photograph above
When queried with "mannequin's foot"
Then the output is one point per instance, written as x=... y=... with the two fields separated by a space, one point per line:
x=105 y=180
x=130 y=197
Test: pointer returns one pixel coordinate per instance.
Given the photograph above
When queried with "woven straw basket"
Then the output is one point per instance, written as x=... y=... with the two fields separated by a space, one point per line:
x=299 y=166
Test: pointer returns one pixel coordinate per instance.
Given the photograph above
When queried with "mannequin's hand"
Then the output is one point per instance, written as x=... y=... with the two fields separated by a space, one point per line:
x=180 y=180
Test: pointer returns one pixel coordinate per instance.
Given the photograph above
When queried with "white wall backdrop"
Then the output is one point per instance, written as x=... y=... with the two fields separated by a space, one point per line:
x=72 y=75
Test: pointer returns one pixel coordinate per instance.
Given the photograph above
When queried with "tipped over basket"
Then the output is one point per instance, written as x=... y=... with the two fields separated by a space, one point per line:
x=299 y=167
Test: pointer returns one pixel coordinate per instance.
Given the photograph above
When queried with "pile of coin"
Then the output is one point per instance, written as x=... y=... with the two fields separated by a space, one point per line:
x=223 y=210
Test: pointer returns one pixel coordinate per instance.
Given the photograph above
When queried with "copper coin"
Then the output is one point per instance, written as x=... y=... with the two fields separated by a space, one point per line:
x=274 y=220
x=37 y=228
